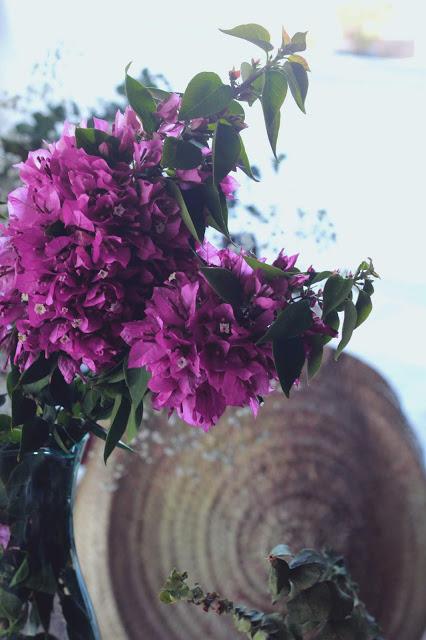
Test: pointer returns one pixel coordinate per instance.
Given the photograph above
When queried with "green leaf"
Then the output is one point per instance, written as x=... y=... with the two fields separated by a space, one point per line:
x=273 y=96
x=336 y=291
x=363 y=307
x=134 y=421
x=254 y=33
x=292 y=321
x=297 y=43
x=226 y=150
x=270 y=272
x=368 y=287
x=142 y=102
x=307 y=568
x=34 y=435
x=5 y=422
x=176 y=193
x=244 y=163
x=159 y=94
x=23 y=409
x=279 y=571
x=311 y=606
x=315 y=355
x=60 y=390
x=289 y=357
x=205 y=95
x=246 y=71
x=137 y=383
x=281 y=551
x=12 y=379
x=89 y=139
x=21 y=573
x=213 y=203
x=38 y=376
x=118 y=426
x=180 y=154
x=320 y=276
x=101 y=433
x=224 y=283
x=333 y=321
x=235 y=109
x=298 y=82
x=10 y=606
x=349 y=324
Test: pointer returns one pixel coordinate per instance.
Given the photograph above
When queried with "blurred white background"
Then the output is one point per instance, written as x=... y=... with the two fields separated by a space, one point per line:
x=358 y=153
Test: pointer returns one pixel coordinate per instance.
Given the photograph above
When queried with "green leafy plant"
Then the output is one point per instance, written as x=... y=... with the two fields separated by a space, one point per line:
x=312 y=592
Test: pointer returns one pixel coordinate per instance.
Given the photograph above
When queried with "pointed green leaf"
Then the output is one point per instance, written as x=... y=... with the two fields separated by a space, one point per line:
x=244 y=163
x=246 y=70
x=226 y=150
x=368 y=287
x=269 y=271
x=315 y=355
x=176 y=193
x=224 y=283
x=159 y=94
x=349 y=324
x=137 y=383
x=273 y=96
x=235 y=109
x=118 y=426
x=298 y=82
x=320 y=276
x=23 y=408
x=89 y=139
x=363 y=307
x=336 y=290
x=292 y=321
x=21 y=573
x=180 y=154
x=205 y=95
x=333 y=321
x=214 y=205
x=101 y=433
x=254 y=33
x=289 y=358
x=142 y=102
x=34 y=435
x=5 y=422
x=297 y=43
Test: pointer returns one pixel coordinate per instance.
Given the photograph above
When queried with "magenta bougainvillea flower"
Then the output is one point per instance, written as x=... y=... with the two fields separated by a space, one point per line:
x=96 y=258
x=202 y=352
x=88 y=238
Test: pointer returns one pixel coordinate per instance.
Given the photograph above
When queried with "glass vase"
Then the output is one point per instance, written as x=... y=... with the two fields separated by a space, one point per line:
x=42 y=593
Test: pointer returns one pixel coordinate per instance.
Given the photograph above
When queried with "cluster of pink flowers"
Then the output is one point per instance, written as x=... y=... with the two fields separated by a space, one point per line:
x=202 y=352
x=88 y=238
x=96 y=257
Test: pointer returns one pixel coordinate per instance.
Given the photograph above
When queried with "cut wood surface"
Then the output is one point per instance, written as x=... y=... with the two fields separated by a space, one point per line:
x=336 y=465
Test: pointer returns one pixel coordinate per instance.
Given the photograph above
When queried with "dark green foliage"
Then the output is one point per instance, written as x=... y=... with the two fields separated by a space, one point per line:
x=315 y=596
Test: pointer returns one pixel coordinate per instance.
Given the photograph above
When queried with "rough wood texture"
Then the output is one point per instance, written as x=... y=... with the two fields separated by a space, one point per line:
x=336 y=465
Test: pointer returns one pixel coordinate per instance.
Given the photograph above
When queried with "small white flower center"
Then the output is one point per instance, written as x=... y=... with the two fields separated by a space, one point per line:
x=118 y=210
x=76 y=323
x=103 y=274
x=24 y=297
x=22 y=337
x=40 y=309
x=224 y=327
x=182 y=362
